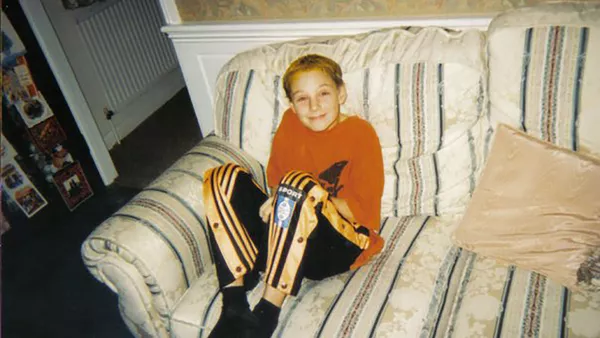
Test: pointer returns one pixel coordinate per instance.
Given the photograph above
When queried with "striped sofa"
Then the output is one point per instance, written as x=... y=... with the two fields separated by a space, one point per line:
x=434 y=97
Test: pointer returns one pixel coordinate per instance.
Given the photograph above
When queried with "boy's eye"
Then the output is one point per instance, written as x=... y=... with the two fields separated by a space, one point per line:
x=324 y=93
x=301 y=99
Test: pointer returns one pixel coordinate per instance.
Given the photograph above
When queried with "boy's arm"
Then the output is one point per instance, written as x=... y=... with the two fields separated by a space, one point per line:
x=273 y=177
x=367 y=179
x=278 y=156
x=274 y=170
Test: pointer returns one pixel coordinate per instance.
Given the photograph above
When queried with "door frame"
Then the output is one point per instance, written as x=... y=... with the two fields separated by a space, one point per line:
x=65 y=77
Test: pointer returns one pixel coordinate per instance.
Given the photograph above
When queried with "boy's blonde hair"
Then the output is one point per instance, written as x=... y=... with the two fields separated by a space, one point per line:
x=308 y=63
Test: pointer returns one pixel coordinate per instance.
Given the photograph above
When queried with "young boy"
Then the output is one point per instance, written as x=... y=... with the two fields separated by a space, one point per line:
x=326 y=172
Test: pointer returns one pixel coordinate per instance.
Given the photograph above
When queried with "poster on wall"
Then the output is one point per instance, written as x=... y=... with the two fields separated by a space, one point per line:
x=20 y=90
x=13 y=89
x=17 y=186
x=73 y=185
x=34 y=110
x=44 y=149
x=12 y=46
x=21 y=70
x=47 y=135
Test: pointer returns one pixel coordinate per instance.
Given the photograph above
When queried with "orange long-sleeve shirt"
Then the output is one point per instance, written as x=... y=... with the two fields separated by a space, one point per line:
x=346 y=159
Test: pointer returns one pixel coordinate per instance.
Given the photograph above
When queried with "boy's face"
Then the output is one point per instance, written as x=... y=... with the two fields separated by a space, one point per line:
x=316 y=99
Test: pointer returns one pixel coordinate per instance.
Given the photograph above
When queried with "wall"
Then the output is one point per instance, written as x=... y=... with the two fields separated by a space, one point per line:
x=235 y=10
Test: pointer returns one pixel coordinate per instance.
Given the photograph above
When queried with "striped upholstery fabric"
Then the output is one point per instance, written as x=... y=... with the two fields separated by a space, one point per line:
x=422 y=90
x=496 y=300
x=419 y=286
x=159 y=240
x=548 y=83
x=398 y=294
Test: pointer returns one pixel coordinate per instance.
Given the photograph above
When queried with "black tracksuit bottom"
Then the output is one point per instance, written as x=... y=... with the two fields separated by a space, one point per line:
x=306 y=237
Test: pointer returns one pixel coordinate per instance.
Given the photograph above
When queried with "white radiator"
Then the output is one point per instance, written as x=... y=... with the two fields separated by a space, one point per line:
x=128 y=49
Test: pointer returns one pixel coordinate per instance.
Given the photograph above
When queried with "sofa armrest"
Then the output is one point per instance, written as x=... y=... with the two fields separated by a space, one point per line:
x=152 y=249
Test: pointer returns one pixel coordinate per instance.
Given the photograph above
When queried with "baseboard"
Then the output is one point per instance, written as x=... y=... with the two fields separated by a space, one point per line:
x=137 y=110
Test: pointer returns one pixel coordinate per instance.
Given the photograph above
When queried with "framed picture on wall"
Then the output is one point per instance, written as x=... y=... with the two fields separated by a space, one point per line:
x=73 y=185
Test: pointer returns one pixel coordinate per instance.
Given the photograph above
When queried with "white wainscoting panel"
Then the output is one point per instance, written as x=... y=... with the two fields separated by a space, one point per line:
x=202 y=49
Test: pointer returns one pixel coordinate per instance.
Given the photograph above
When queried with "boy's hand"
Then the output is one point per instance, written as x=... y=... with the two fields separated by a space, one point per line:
x=265 y=210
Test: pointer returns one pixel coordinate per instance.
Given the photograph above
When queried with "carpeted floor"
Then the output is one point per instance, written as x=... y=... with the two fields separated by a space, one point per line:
x=157 y=143
x=46 y=289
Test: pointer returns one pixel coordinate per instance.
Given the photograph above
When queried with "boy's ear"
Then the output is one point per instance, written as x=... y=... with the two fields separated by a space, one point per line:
x=342 y=94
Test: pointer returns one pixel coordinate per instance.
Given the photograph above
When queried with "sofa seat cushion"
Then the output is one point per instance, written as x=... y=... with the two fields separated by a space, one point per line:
x=419 y=285
x=398 y=294
x=498 y=300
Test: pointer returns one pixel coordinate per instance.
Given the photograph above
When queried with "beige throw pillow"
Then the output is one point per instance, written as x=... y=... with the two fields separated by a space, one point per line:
x=537 y=206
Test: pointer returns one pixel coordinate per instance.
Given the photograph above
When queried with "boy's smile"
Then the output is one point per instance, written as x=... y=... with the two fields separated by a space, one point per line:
x=316 y=99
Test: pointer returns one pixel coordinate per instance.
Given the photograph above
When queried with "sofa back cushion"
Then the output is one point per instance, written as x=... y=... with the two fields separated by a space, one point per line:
x=545 y=73
x=421 y=89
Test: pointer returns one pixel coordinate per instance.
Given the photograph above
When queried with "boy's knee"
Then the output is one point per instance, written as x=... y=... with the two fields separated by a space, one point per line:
x=220 y=176
x=298 y=179
x=297 y=184
x=223 y=172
